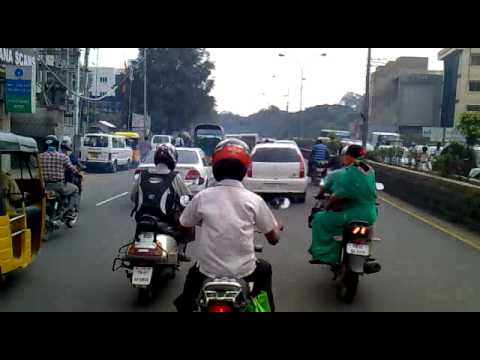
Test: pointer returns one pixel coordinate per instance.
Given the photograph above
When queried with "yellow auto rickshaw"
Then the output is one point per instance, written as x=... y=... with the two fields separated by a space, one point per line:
x=22 y=203
x=132 y=139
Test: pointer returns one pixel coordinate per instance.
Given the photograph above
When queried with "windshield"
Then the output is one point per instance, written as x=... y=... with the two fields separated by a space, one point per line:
x=96 y=141
x=187 y=157
x=209 y=132
x=276 y=155
x=160 y=139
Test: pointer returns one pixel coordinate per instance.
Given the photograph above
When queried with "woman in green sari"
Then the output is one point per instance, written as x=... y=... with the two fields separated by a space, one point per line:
x=354 y=187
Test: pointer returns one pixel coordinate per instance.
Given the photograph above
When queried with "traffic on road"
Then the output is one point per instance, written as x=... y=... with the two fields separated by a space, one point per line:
x=195 y=233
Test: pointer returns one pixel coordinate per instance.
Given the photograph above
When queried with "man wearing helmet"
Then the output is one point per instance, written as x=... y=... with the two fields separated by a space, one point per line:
x=353 y=197
x=227 y=216
x=157 y=191
x=54 y=164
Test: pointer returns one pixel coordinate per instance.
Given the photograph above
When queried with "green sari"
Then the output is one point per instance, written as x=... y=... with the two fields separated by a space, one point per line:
x=359 y=187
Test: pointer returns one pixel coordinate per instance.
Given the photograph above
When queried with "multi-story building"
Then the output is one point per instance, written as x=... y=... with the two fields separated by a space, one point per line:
x=461 y=88
x=404 y=97
x=101 y=80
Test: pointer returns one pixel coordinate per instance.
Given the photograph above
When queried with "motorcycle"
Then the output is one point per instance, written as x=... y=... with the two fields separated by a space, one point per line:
x=318 y=171
x=355 y=252
x=223 y=294
x=152 y=256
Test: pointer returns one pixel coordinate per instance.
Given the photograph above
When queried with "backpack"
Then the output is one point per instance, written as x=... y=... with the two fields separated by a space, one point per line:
x=156 y=197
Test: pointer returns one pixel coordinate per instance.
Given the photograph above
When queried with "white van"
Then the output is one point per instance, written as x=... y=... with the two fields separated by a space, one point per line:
x=106 y=151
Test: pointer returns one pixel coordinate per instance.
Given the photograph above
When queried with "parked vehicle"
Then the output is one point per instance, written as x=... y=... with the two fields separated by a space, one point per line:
x=355 y=253
x=207 y=136
x=161 y=139
x=378 y=138
x=132 y=138
x=22 y=231
x=192 y=165
x=105 y=151
x=277 y=168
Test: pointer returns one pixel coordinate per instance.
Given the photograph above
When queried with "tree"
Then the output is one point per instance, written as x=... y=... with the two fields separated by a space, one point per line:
x=178 y=87
x=469 y=126
x=352 y=100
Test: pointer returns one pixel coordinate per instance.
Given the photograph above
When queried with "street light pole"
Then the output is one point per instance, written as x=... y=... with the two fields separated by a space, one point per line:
x=145 y=112
x=367 y=100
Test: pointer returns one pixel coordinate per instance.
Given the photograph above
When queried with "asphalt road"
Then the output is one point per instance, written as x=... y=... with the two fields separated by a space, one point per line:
x=423 y=268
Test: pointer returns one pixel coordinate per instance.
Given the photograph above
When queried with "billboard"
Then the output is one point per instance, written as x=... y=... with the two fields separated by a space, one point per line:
x=20 y=89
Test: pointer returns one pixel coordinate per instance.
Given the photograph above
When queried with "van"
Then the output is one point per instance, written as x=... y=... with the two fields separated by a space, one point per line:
x=105 y=151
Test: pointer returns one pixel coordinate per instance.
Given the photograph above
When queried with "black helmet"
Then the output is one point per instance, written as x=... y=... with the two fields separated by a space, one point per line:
x=52 y=140
x=166 y=154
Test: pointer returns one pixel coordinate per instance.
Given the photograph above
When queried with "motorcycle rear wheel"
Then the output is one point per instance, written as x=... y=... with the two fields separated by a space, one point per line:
x=348 y=286
x=145 y=294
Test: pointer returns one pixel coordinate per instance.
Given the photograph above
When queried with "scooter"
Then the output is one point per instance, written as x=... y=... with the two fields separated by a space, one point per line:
x=230 y=294
x=318 y=171
x=355 y=253
x=151 y=258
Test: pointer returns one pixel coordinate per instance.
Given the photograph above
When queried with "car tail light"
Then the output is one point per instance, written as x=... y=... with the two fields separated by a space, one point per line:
x=220 y=308
x=192 y=175
x=249 y=171
x=302 y=167
x=109 y=156
x=138 y=171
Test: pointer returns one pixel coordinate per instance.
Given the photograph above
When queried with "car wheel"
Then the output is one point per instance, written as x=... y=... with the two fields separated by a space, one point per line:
x=301 y=198
x=113 y=167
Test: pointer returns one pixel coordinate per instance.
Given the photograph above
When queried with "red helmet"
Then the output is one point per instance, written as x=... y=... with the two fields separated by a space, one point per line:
x=233 y=149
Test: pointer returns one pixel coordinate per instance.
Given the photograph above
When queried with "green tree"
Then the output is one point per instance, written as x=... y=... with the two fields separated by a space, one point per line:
x=178 y=87
x=352 y=100
x=469 y=126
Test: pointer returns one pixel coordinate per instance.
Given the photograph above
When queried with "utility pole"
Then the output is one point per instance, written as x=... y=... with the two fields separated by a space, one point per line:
x=145 y=110
x=85 y=86
x=77 y=99
x=130 y=85
x=367 y=100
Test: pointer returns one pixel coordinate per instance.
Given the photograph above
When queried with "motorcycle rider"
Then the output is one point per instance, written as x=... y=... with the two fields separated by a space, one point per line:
x=157 y=191
x=353 y=190
x=54 y=164
x=319 y=153
x=227 y=216
x=179 y=142
x=70 y=177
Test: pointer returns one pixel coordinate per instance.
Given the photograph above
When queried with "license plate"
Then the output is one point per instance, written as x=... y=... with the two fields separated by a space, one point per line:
x=93 y=155
x=358 y=249
x=142 y=275
x=147 y=236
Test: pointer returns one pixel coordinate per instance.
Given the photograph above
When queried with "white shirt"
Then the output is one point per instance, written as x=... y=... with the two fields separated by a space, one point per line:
x=228 y=214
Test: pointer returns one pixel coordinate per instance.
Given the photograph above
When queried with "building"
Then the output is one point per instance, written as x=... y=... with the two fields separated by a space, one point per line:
x=101 y=80
x=404 y=97
x=461 y=88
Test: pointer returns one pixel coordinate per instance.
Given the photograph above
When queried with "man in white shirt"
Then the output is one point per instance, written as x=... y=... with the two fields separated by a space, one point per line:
x=226 y=217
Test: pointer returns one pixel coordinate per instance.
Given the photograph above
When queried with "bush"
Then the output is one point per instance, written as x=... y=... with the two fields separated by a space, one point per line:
x=456 y=159
x=469 y=125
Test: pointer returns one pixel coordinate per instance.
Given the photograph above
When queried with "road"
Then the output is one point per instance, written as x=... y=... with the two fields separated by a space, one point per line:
x=423 y=268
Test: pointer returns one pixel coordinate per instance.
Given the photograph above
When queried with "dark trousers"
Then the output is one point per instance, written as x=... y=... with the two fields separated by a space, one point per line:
x=261 y=278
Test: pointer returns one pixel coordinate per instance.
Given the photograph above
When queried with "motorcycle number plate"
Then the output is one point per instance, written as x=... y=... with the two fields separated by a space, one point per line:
x=145 y=237
x=142 y=275
x=358 y=249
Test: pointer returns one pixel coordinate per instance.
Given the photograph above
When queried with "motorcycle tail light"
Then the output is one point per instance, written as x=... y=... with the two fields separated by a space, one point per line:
x=220 y=308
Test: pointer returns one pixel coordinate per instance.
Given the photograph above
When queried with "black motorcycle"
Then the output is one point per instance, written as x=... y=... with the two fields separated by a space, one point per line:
x=355 y=252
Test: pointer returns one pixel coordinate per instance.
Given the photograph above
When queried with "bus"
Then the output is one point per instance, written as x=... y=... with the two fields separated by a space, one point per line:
x=207 y=136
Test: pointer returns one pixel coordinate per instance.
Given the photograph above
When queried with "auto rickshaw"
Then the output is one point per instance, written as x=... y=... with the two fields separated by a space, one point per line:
x=22 y=206
x=132 y=139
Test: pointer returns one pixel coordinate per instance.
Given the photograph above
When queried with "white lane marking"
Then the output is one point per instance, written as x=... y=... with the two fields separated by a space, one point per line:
x=112 y=198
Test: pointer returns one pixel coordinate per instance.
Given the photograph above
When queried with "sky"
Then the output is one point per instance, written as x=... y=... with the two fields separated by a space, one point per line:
x=249 y=79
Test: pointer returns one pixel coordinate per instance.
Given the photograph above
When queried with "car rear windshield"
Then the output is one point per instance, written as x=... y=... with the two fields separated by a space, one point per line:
x=160 y=139
x=279 y=155
x=96 y=141
x=187 y=157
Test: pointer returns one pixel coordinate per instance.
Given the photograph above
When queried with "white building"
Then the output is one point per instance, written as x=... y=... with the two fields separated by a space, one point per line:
x=101 y=80
x=461 y=89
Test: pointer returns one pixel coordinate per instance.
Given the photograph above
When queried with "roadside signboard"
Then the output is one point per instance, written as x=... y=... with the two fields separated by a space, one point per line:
x=20 y=93
x=435 y=134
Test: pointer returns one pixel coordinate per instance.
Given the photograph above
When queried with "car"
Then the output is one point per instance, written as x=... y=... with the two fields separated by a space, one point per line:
x=106 y=151
x=161 y=139
x=286 y=142
x=277 y=168
x=192 y=166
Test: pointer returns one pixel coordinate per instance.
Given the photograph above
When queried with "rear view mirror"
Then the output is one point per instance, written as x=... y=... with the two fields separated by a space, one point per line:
x=380 y=186
x=184 y=200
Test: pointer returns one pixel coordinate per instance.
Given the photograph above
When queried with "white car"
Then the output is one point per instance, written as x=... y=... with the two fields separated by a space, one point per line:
x=161 y=139
x=277 y=168
x=192 y=166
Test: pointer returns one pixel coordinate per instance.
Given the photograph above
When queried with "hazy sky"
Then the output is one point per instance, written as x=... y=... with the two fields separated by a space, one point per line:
x=249 y=79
